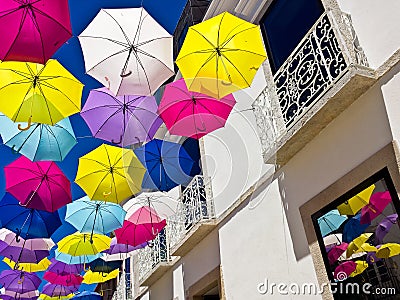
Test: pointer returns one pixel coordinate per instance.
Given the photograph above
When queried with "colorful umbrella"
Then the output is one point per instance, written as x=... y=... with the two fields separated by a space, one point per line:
x=86 y=295
x=357 y=244
x=193 y=114
x=74 y=260
x=32 y=31
x=354 y=204
x=388 y=250
x=371 y=257
x=110 y=173
x=116 y=248
x=96 y=277
x=27 y=223
x=127 y=51
x=19 y=281
x=78 y=244
x=384 y=226
x=336 y=252
x=330 y=222
x=95 y=216
x=22 y=255
x=168 y=165
x=10 y=295
x=353 y=228
x=102 y=266
x=61 y=267
x=375 y=207
x=40 y=141
x=343 y=271
x=46 y=297
x=221 y=55
x=29 y=267
x=122 y=120
x=64 y=279
x=361 y=266
x=12 y=239
x=38 y=93
x=40 y=185
x=58 y=290
x=333 y=239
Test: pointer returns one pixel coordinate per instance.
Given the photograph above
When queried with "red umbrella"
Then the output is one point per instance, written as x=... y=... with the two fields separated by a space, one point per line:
x=375 y=207
x=65 y=279
x=336 y=252
x=39 y=185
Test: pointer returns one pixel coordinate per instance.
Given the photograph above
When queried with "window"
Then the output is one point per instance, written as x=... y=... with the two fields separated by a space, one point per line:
x=359 y=238
x=285 y=24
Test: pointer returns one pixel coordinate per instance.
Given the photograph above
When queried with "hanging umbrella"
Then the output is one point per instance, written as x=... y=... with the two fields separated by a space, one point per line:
x=40 y=141
x=58 y=290
x=78 y=244
x=32 y=31
x=143 y=226
x=371 y=257
x=336 y=252
x=168 y=165
x=353 y=228
x=38 y=93
x=19 y=281
x=22 y=255
x=193 y=114
x=64 y=279
x=16 y=297
x=95 y=216
x=27 y=223
x=110 y=173
x=375 y=207
x=354 y=204
x=102 y=266
x=9 y=237
x=29 y=267
x=333 y=239
x=221 y=55
x=13 y=295
x=127 y=51
x=61 y=267
x=86 y=295
x=96 y=277
x=384 y=226
x=46 y=297
x=74 y=260
x=361 y=266
x=343 y=271
x=388 y=250
x=330 y=222
x=40 y=185
x=122 y=120
x=116 y=248
x=357 y=244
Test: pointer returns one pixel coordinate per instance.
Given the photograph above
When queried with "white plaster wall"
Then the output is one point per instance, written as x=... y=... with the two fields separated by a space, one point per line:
x=179 y=290
x=377 y=25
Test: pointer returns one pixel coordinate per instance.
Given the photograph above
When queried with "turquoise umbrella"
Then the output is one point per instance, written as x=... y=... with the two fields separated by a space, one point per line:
x=95 y=216
x=40 y=141
x=330 y=222
x=75 y=260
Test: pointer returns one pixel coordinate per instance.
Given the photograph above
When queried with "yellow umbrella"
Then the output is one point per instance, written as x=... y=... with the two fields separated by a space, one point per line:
x=46 y=297
x=110 y=173
x=78 y=244
x=221 y=55
x=32 y=92
x=361 y=267
x=29 y=267
x=388 y=250
x=357 y=243
x=98 y=277
x=365 y=247
x=354 y=204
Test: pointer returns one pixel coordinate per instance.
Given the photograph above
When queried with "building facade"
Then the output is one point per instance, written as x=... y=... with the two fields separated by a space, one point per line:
x=319 y=125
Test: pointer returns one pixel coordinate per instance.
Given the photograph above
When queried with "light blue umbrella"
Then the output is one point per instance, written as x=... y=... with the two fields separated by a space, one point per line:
x=86 y=295
x=40 y=141
x=74 y=260
x=95 y=216
x=330 y=222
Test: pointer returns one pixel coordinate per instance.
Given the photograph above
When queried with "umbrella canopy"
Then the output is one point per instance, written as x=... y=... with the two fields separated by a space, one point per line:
x=58 y=290
x=102 y=266
x=122 y=120
x=116 y=248
x=16 y=296
x=22 y=255
x=217 y=57
x=38 y=93
x=357 y=244
x=354 y=204
x=361 y=266
x=127 y=51
x=96 y=277
x=336 y=252
x=110 y=173
x=29 y=267
x=343 y=271
x=27 y=223
x=46 y=297
x=193 y=114
x=384 y=226
x=388 y=250
x=13 y=295
x=19 y=281
x=375 y=207
x=32 y=31
x=86 y=295
x=78 y=244
x=333 y=239
x=65 y=279
x=95 y=216
x=40 y=141
x=168 y=165
x=12 y=239
x=40 y=185
x=353 y=228
x=74 y=260
x=61 y=267
x=330 y=222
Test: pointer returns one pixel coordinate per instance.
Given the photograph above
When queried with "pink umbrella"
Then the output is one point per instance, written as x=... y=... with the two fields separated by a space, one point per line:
x=336 y=252
x=65 y=279
x=40 y=185
x=33 y=30
x=193 y=114
x=375 y=207
x=343 y=271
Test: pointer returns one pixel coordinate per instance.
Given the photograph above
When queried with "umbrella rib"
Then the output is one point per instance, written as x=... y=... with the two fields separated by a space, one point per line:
x=119 y=43
x=219 y=30
x=34 y=21
x=108 y=57
x=122 y=30
x=243 y=50
x=51 y=18
x=203 y=65
x=236 y=34
x=46 y=101
x=49 y=85
x=202 y=35
x=241 y=75
x=152 y=56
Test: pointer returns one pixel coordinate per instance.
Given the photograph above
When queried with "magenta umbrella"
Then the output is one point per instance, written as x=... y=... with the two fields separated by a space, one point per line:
x=122 y=120
x=39 y=185
x=33 y=30
x=336 y=252
x=65 y=279
x=343 y=271
x=57 y=290
x=19 y=281
x=377 y=203
x=193 y=114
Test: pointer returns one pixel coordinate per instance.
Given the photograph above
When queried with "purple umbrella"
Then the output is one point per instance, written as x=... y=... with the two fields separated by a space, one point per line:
x=116 y=248
x=123 y=120
x=22 y=255
x=372 y=258
x=19 y=281
x=7 y=297
x=10 y=295
x=59 y=267
x=57 y=290
x=383 y=227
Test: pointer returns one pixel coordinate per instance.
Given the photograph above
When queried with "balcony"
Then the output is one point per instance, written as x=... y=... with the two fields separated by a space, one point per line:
x=326 y=72
x=194 y=218
x=124 y=288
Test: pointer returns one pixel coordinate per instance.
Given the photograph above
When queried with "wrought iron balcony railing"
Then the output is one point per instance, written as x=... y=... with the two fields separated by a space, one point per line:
x=124 y=288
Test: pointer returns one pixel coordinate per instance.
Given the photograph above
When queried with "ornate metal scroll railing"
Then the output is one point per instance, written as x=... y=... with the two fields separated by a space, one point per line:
x=124 y=288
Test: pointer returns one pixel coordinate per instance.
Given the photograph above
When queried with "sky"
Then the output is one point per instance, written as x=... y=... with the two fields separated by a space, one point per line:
x=166 y=12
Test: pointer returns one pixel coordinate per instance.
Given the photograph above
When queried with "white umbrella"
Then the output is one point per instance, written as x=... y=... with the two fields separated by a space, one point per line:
x=127 y=51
